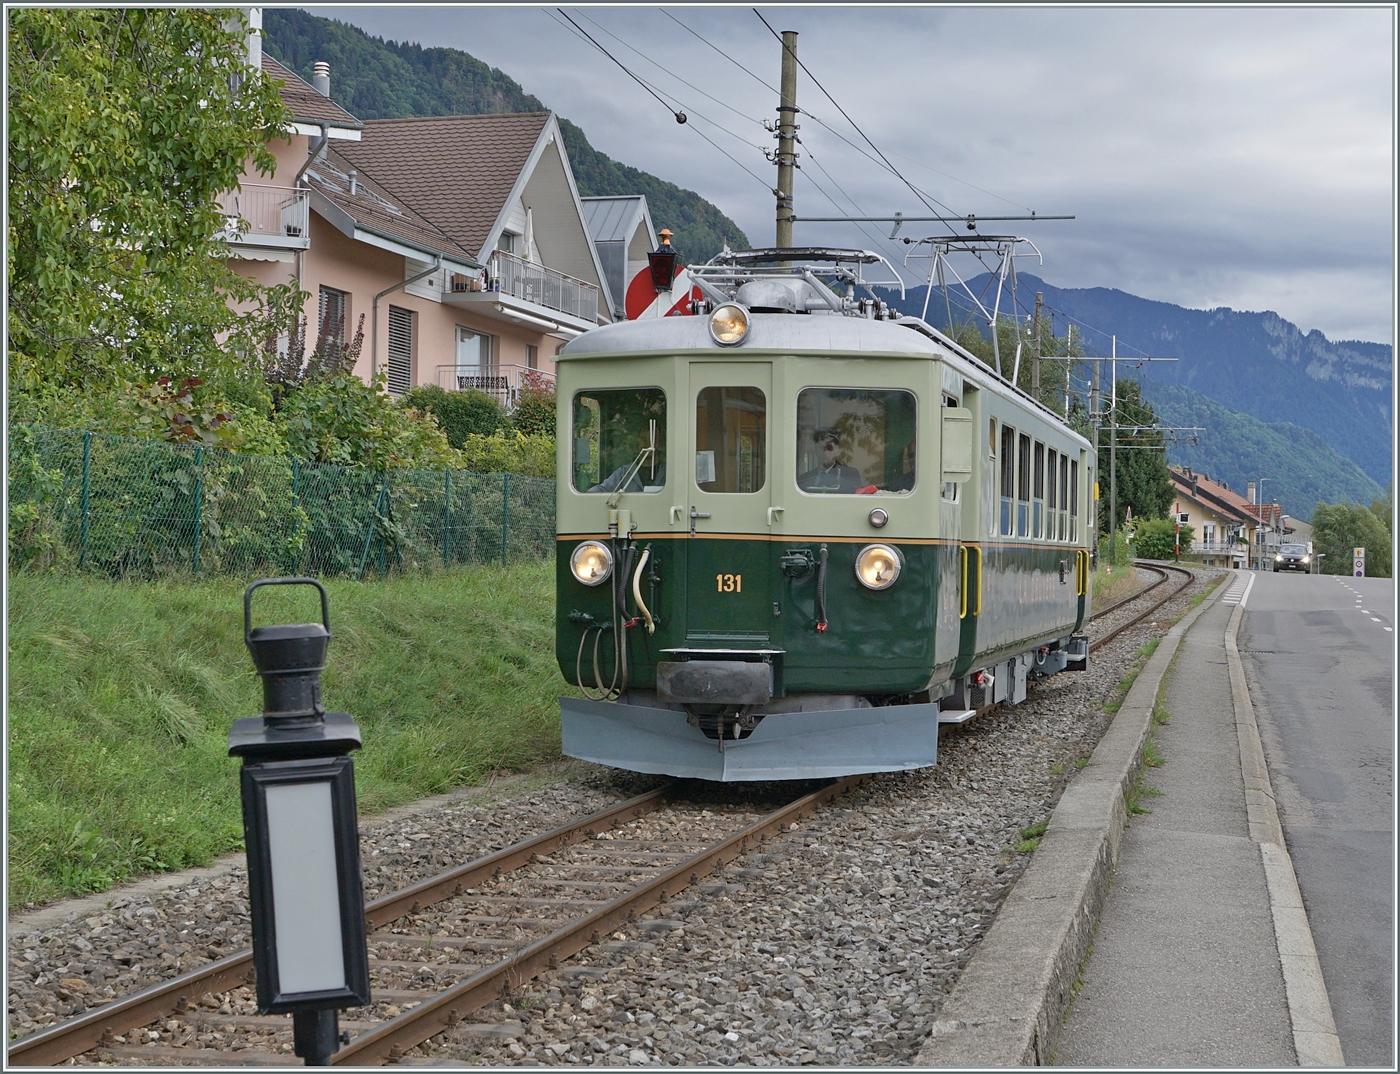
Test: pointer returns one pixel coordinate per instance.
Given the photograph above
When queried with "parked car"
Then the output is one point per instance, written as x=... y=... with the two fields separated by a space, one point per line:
x=1292 y=557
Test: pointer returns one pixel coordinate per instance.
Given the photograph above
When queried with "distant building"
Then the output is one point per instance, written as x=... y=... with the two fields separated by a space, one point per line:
x=623 y=234
x=1225 y=527
x=461 y=240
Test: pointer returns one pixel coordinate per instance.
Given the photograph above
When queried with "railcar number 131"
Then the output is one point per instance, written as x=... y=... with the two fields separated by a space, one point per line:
x=729 y=583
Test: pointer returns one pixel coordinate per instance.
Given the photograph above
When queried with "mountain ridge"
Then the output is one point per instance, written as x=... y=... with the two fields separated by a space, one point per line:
x=1254 y=363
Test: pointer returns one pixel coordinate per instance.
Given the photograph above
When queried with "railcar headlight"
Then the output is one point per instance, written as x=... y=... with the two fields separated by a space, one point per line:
x=729 y=325
x=878 y=565
x=592 y=562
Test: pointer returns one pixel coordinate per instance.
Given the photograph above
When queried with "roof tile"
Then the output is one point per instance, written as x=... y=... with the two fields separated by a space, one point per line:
x=305 y=103
x=459 y=170
x=376 y=209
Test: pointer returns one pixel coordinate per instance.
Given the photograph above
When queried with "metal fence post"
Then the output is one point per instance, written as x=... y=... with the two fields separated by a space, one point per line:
x=384 y=513
x=198 y=500
x=447 y=518
x=369 y=536
x=296 y=513
x=87 y=466
x=505 y=515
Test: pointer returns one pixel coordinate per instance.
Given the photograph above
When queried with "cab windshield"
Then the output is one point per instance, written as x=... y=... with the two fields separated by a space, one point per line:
x=1294 y=549
x=612 y=428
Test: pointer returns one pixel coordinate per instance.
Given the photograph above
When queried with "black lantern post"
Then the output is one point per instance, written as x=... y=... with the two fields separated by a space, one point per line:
x=300 y=828
x=662 y=262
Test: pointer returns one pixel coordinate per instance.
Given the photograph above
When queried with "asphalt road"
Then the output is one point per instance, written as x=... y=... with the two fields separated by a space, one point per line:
x=1319 y=653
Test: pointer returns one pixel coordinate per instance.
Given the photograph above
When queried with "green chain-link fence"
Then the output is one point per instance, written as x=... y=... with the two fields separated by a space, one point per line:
x=138 y=508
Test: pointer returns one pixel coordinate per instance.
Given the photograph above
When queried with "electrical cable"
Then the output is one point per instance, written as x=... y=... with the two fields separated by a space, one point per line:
x=680 y=116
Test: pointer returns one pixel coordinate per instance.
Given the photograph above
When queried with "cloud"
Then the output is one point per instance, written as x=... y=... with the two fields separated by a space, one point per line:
x=1212 y=156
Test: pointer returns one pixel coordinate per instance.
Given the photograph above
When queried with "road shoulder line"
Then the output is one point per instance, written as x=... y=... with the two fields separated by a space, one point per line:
x=1010 y=1001
x=1314 y=1032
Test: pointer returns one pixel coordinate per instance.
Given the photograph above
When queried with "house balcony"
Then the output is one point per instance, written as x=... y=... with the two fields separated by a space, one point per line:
x=502 y=382
x=530 y=295
x=267 y=216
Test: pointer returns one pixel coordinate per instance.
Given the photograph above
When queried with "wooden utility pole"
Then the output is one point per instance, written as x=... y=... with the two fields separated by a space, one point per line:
x=1035 y=354
x=787 y=134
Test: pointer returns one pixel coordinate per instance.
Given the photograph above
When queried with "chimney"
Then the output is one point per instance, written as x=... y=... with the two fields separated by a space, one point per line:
x=1249 y=491
x=354 y=178
x=321 y=78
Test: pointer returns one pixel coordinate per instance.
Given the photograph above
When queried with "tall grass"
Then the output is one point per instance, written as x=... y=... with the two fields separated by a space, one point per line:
x=121 y=696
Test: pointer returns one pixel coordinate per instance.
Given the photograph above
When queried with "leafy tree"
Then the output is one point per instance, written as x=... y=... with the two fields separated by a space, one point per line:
x=1156 y=538
x=461 y=414
x=1143 y=480
x=1340 y=527
x=124 y=127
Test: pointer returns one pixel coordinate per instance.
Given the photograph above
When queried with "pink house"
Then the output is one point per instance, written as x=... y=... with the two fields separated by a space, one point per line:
x=460 y=239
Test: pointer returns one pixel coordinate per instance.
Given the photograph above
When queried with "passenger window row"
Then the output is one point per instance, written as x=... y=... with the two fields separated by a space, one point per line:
x=1039 y=488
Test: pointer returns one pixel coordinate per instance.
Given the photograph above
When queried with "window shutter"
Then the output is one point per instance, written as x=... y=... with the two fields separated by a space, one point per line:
x=400 y=350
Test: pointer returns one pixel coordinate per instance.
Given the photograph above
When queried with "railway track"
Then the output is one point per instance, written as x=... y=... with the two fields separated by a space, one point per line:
x=1166 y=571
x=446 y=946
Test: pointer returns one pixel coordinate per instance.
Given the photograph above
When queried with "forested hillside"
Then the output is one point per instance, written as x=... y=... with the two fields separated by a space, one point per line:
x=1235 y=448
x=378 y=79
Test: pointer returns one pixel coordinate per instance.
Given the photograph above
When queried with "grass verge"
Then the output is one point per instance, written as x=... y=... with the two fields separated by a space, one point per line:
x=121 y=696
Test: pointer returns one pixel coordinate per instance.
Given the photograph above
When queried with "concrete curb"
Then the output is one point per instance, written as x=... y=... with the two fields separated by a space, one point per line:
x=1315 y=1037
x=1009 y=1003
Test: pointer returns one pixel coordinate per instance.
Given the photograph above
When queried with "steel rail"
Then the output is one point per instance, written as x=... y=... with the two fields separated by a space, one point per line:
x=389 y=1041
x=1185 y=581
x=67 y=1039
x=1162 y=577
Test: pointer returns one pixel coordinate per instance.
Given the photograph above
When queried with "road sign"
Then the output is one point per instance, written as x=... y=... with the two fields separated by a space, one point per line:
x=1358 y=562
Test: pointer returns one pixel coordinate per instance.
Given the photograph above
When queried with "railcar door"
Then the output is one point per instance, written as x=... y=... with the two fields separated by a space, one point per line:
x=728 y=585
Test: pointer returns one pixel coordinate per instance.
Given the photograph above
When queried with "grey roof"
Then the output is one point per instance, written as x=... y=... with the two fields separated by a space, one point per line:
x=305 y=103
x=613 y=219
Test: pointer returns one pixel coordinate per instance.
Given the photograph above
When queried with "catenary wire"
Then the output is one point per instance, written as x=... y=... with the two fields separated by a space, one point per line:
x=667 y=106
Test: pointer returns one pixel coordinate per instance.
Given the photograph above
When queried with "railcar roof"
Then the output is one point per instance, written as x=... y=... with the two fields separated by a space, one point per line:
x=793 y=333
x=768 y=332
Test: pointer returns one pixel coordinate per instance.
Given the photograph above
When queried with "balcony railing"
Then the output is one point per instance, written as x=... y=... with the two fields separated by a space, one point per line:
x=503 y=382
x=267 y=216
x=512 y=275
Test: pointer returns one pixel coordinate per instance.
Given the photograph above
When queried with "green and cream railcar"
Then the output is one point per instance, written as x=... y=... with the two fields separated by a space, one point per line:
x=791 y=543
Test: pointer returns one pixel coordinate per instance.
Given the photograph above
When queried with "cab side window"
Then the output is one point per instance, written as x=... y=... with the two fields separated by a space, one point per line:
x=619 y=440
x=856 y=441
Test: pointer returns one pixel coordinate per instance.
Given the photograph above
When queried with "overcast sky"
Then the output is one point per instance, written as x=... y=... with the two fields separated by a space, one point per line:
x=1238 y=157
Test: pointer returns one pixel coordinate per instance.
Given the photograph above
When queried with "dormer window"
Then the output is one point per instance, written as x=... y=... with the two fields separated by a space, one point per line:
x=506 y=243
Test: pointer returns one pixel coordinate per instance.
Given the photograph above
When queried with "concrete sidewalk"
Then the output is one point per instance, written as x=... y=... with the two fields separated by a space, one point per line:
x=1185 y=968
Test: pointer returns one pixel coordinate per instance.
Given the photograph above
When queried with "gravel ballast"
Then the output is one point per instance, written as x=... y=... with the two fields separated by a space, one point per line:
x=833 y=944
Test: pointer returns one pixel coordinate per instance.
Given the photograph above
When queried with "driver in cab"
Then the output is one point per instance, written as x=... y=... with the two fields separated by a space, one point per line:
x=830 y=473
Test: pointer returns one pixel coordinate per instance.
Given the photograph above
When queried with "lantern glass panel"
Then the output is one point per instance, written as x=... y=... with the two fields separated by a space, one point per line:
x=305 y=891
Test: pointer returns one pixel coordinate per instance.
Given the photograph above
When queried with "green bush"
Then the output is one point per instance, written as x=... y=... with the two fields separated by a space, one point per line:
x=509 y=452
x=1114 y=550
x=461 y=414
x=534 y=413
x=1156 y=539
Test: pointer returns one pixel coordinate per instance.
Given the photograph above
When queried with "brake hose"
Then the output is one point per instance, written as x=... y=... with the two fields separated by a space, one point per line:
x=637 y=590
x=821 y=590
